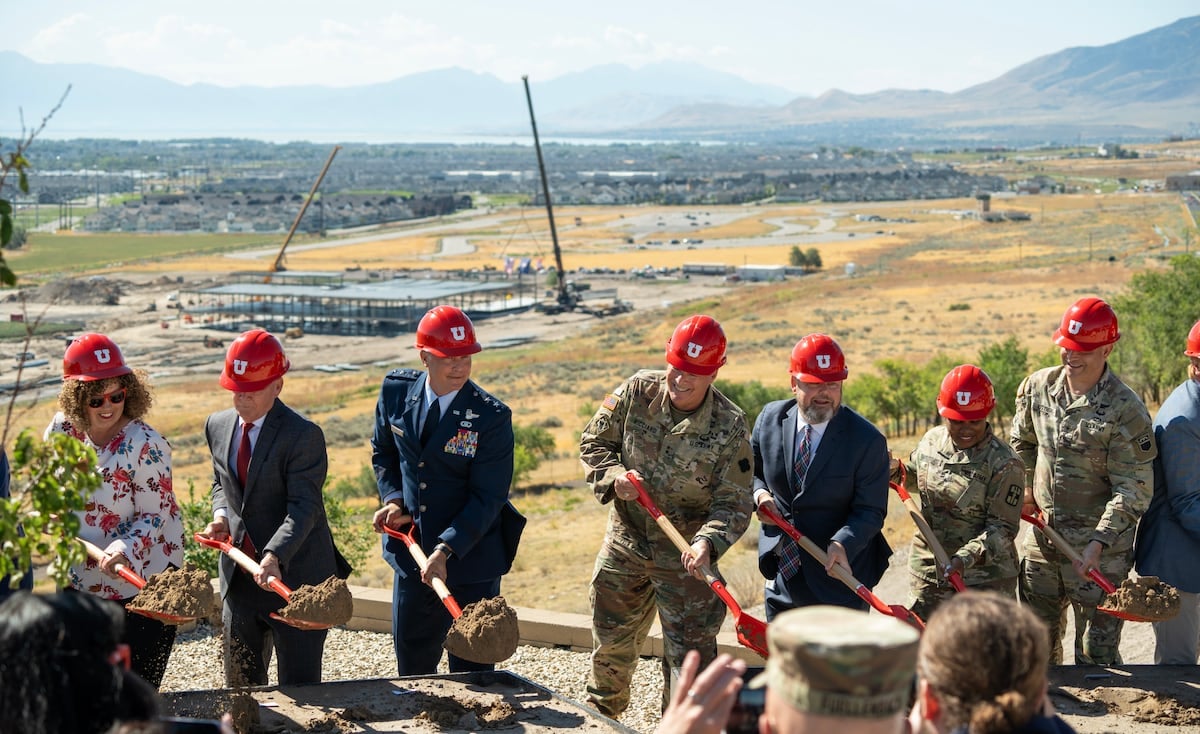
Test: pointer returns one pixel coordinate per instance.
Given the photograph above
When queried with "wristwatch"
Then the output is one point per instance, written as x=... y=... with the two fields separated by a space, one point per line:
x=444 y=549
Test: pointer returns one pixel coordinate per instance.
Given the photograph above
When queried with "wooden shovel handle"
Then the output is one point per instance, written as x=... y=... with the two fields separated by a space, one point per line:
x=414 y=549
x=1068 y=550
x=122 y=570
x=246 y=562
x=939 y=553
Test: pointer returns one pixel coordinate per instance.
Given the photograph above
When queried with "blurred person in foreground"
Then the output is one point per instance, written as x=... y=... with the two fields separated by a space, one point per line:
x=269 y=464
x=824 y=469
x=64 y=669
x=443 y=457
x=1088 y=447
x=982 y=670
x=833 y=670
x=133 y=516
x=970 y=485
x=687 y=444
x=1168 y=538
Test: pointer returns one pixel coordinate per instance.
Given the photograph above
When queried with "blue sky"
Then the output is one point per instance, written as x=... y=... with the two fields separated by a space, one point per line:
x=806 y=47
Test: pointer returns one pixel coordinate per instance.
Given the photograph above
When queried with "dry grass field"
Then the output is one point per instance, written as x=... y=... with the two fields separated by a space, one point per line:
x=1007 y=279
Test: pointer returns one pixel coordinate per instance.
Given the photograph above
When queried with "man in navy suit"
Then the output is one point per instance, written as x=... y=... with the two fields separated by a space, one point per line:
x=1168 y=537
x=269 y=466
x=824 y=468
x=443 y=458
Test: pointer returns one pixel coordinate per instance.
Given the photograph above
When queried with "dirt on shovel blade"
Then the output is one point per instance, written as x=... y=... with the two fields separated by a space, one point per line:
x=487 y=632
x=1145 y=597
x=179 y=592
x=329 y=602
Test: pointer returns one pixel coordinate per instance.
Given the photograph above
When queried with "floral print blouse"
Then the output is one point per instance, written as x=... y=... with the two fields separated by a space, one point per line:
x=133 y=512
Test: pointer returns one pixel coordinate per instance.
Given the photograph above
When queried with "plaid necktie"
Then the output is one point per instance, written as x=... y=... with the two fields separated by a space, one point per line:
x=789 y=551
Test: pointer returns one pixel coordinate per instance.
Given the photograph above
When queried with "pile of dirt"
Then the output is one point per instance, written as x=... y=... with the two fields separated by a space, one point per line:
x=90 y=292
x=487 y=632
x=1144 y=598
x=179 y=592
x=329 y=602
x=447 y=712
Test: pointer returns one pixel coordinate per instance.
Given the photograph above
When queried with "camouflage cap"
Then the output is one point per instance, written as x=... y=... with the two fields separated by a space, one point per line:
x=835 y=661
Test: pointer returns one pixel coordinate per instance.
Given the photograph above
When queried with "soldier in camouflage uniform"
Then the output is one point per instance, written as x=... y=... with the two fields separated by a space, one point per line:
x=970 y=485
x=689 y=445
x=1088 y=448
x=837 y=669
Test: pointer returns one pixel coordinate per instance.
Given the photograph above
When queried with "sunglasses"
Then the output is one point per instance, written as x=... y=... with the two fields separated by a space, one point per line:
x=116 y=398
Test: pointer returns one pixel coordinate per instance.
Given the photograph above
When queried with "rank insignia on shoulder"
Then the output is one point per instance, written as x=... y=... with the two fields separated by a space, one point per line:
x=610 y=402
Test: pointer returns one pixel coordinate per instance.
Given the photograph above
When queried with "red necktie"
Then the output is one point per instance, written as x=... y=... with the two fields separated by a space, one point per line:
x=243 y=458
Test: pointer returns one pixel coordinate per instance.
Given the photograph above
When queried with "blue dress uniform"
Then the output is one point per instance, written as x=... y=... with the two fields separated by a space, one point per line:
x=456 y=488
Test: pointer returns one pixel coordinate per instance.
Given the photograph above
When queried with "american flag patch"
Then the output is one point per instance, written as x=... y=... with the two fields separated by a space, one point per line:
x=610 y=402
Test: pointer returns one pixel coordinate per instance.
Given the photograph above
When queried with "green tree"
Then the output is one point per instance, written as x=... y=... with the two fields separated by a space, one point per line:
x=813 y=259
x=1155 y=315
x=1006 y=363
x=51 y=481
x=532 y=444
x=551 y=278
x=751 y=396
x=796 y=257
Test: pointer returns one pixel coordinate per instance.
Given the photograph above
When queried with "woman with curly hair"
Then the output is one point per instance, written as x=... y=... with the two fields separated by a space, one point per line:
x=981 y=669
x=132 y=516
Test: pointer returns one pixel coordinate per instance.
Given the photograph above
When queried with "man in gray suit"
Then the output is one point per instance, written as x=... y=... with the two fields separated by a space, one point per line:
x=269 y=465
x=824 y=468
x=1168 y=537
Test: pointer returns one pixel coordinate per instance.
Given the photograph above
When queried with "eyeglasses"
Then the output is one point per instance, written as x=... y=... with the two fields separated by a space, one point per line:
x=116 y=398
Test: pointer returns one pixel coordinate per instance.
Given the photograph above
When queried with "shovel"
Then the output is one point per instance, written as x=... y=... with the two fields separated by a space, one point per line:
x=904 y=614
x=1069 y=551
x=251 y=566
x=751 y=632
x=476 y=650
x=132 y=577
x=939 y=553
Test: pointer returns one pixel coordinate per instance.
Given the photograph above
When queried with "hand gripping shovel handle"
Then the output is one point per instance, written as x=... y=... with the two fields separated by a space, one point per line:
x=939 y=553
x=246 y=562
x=751 y=632
x=422 y=560
x=122 y=570
x=893 y=610
x=1068 y=550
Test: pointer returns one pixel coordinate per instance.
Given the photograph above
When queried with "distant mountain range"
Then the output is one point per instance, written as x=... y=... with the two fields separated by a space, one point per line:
x=1144 y=87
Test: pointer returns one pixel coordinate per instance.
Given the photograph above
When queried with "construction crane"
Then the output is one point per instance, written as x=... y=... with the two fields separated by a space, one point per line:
x=567 y=298
x=278 y=264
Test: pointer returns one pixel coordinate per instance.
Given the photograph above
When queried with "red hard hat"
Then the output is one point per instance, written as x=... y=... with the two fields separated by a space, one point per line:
x=93 y=357
x=445 y=331
x=1087 y=325
x=697 y=346
x=818 y=358
x=1193 y=342
x=966 y=394
x=254 y=360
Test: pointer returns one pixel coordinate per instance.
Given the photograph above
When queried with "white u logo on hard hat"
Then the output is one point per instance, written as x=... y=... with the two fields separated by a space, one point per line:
x=1075 y=326
x=103 y=356
x=239 y=366
x=823 y=361
x=962 y=397
x=694 y=349
x=458 y=332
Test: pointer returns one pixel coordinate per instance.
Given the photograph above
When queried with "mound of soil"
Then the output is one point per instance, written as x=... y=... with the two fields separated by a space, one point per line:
x=329 y=602
x=180 y=592
x=91 y=292
x=1145 y=597
x=487 y=632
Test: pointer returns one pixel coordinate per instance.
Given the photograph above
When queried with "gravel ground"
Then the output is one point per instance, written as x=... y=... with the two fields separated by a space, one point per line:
x=196 y=664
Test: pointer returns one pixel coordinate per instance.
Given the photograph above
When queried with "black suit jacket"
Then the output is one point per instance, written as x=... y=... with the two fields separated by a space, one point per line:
x=844 y=497
x=281 y=507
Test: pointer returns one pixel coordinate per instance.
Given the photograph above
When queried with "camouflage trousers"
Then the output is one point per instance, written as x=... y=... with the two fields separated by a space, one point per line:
x=927 y=596
x=1049 y=584
x=625 y=593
